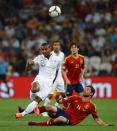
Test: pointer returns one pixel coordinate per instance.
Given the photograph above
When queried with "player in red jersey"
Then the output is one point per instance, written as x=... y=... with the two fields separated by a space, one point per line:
x=73 y=71
x=78 y=110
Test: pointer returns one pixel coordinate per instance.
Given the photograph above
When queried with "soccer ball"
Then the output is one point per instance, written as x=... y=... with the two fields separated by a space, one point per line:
x=54 y=11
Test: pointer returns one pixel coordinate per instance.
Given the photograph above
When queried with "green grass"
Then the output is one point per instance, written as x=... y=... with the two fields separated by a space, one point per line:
x=107 y=110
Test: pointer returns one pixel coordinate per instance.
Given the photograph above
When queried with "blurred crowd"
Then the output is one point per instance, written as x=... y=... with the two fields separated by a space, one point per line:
x=92 y=24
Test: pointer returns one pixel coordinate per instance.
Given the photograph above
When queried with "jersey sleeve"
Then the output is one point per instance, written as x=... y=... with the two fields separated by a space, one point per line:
x=93 y=111
x=37 y=60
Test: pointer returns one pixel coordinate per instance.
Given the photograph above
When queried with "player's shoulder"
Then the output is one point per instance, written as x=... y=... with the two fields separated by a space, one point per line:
x=39 y=56
x=92 y=104
x=81 y=56
x=68 y=57
x=61 y=53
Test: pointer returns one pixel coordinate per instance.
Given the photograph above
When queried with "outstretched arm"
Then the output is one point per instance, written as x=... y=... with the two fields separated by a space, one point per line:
x=101 y=123
x=29 y=64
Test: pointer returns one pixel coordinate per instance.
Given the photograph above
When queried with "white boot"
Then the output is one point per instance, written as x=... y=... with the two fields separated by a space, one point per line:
x=44 y=114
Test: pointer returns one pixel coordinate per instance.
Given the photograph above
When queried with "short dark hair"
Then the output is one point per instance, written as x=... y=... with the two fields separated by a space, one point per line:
x=92 y=89
x=57 y=41
x=45 y=44
x=74 y=43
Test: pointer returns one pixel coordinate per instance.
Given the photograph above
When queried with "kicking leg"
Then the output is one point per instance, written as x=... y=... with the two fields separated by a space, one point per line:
x=33 y=104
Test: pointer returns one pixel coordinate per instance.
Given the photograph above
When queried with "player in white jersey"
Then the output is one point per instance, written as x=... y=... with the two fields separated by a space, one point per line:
x=42 y=85
x=59 y=82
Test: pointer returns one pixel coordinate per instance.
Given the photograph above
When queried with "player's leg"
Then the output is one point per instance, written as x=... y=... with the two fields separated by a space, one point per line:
x=54 y=121
x=58 y=116
x=79 y=89
x=69 y=90
x=61 y=91
x=43 y=109
x=47 y=103
x=48 y=100
x=35 y=88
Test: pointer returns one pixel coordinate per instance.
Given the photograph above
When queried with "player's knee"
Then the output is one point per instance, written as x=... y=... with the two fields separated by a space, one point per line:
x=35 y=87
x=51 y=108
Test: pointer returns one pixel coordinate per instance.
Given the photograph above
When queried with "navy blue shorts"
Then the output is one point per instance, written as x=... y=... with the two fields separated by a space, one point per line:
x=61 y=112
x=78 y=88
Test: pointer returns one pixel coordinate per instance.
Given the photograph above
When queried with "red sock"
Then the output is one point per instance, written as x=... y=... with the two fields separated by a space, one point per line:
x=45 y=123
x=42 y=109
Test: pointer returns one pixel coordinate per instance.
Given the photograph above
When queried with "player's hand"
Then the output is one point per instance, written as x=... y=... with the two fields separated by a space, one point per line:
x=82 y=78
x=68 y=82
x=30 y=62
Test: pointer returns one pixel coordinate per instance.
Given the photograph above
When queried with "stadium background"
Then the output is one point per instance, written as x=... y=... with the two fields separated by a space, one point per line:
x=92 y=24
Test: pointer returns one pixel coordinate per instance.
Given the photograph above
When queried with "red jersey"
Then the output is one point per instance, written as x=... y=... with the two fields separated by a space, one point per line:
x=73 y=68
x=78 y=109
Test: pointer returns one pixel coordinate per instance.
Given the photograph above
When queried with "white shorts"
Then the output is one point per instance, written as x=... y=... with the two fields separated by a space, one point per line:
x=45 y=88
x=59 y=86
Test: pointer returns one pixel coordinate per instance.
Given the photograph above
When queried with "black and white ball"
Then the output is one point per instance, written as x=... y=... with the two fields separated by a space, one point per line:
x=54 y=11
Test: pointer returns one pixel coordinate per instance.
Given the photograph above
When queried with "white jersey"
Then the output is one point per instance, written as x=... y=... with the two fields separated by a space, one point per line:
x=46 y=75
x=61 y=59
x=47 y=67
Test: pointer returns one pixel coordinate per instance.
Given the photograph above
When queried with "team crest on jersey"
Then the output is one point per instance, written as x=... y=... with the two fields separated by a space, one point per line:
x=81 y=61
x=42 y=63
x=86 y=106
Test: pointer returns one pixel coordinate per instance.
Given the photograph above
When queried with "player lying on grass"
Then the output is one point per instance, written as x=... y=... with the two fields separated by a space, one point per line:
x=78 y=109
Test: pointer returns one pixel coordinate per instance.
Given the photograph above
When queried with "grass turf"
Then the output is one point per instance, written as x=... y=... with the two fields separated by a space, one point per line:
x=107 y=110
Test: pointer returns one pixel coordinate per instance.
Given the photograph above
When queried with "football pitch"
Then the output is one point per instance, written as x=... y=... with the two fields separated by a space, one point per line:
x=107 y=110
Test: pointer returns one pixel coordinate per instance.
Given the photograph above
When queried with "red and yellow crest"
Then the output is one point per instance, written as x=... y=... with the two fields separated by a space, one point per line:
x=86 y=106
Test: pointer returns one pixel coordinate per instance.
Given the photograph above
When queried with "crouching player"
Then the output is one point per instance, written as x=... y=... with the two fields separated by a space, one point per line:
x=79 y=108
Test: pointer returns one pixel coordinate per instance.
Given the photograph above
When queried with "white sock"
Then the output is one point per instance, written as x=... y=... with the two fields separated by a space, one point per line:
x=47 y=102
x=30 y=108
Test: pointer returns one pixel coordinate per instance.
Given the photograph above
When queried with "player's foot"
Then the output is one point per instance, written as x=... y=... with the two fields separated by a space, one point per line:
x=44 y=114
x=30 y=123
x=20 y=109
x=18 y=115
x=36 y=110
